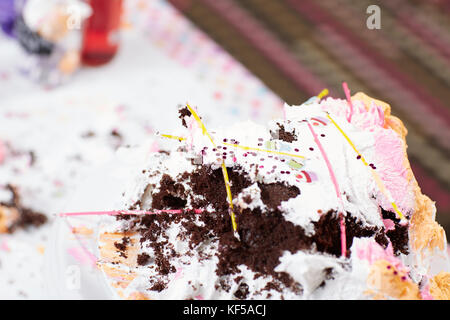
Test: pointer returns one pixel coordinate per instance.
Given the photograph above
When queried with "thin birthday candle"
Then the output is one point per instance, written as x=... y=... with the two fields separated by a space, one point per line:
x=376 y=177
x=125 y=212
x=224 y=171
x=322 y=93
x=86 y=251
x=349 y=100
x=169 y=136
x=336 y=188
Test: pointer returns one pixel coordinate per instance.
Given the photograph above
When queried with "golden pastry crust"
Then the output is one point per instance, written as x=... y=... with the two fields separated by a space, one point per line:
x=7 y=218
x=386 y=282
x=118 y=264
x=440 y=286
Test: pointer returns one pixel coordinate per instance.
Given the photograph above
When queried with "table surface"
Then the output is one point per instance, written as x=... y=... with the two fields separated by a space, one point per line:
x=163 y=61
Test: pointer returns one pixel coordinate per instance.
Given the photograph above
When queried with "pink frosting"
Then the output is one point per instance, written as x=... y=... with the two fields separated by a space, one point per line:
x=364 y=117
x=372 y=252
x=389 y=161
x=4 y=245
x=389 y=151
x=2 y=152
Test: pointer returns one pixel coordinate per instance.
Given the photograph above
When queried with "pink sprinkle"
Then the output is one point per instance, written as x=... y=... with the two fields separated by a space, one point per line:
x=154 y=147
x=218 y=95
x=57 y=183
x=4 y=245
x=261 y=167
x=199 y=297
x=349 y=100
x=234 y=159
x=120 y=109
x=2 y=151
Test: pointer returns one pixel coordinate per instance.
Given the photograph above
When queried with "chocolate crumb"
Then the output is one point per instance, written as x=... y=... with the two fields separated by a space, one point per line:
x=242 y=291
x=184 y=112
x=282 y=134
x=27 y=216
x=142 y=259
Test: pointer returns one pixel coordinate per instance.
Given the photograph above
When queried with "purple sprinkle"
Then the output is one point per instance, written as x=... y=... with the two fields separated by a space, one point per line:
x=395 y=272
x=358 y=157
x=312 y=149
x=282 y=172
x=322 y=135
x=296 y=150
x=288 y=172
x=225 y=140
x=262 y=159
x=388 y=267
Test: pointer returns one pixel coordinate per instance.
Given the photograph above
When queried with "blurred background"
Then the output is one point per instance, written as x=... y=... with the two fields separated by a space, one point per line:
x=81 y=78
x=297 y=47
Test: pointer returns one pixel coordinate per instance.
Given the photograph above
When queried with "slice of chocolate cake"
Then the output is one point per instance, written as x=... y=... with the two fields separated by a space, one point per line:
x=320 y=205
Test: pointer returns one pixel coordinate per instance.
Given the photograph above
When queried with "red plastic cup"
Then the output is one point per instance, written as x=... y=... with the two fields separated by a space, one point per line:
x=101 y=32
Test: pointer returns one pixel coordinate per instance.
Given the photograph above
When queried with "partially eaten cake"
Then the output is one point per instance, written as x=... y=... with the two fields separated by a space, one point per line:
x=320 y=205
